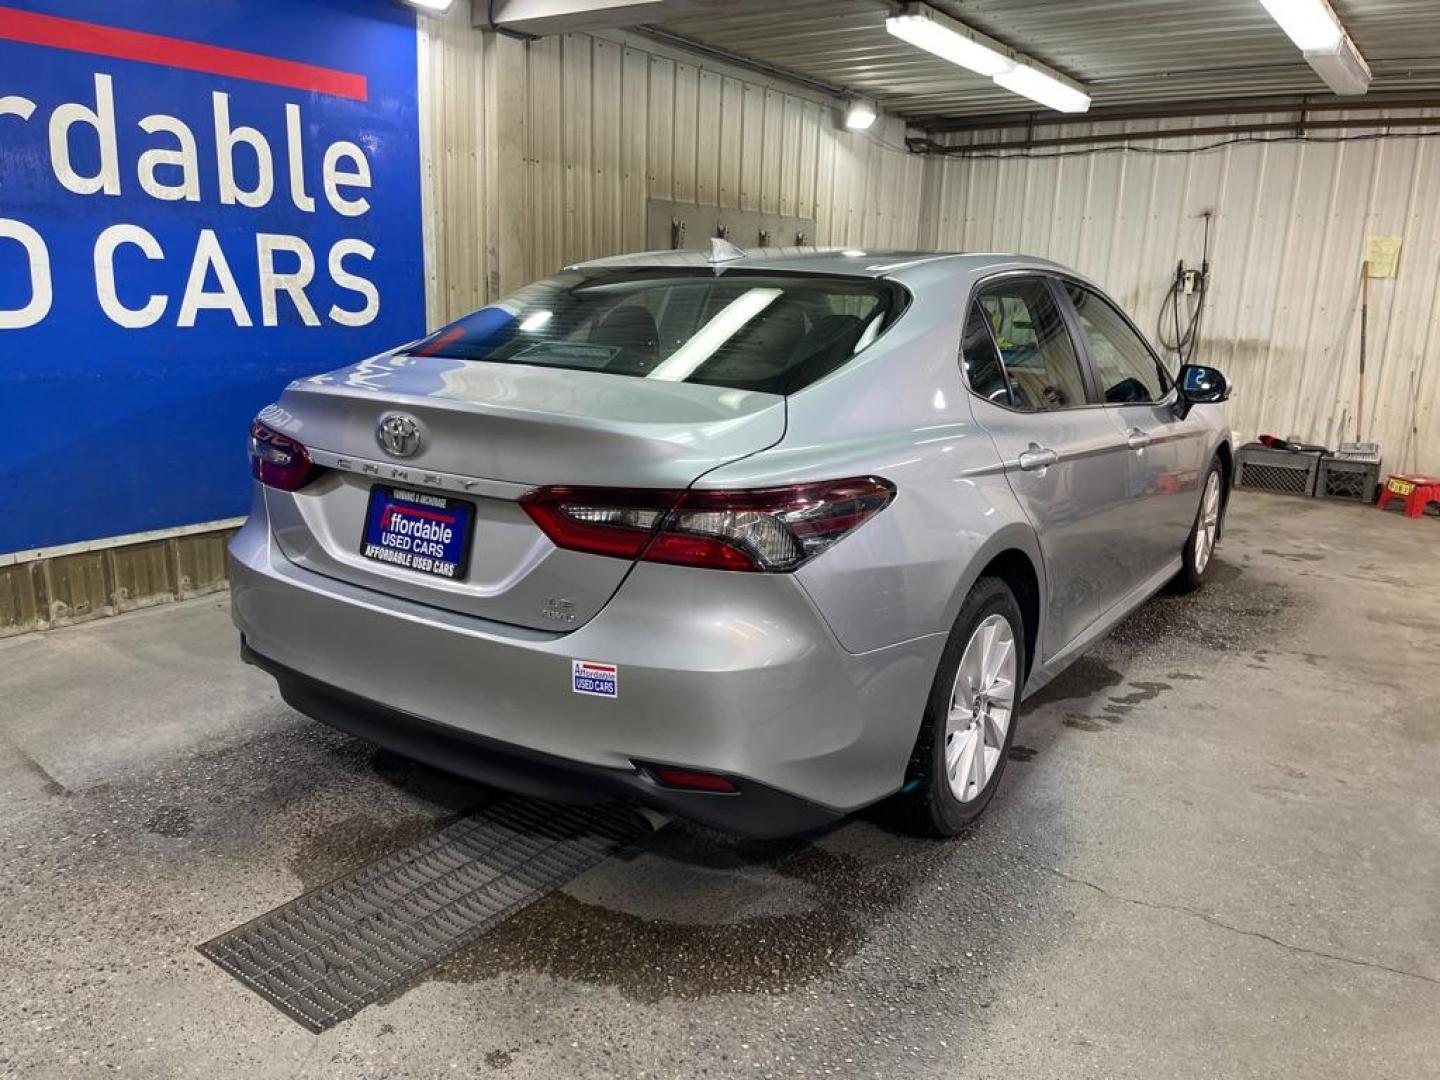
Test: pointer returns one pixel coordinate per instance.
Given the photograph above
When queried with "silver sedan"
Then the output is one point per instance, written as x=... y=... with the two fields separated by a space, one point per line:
x=758 y=539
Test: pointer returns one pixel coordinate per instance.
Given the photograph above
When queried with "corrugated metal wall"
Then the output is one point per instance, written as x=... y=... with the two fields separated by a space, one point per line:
x=601 y=124
x=458 y=69
x=1287 y=240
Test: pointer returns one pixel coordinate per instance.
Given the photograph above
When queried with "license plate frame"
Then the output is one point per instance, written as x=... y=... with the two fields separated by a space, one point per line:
x=423 y=547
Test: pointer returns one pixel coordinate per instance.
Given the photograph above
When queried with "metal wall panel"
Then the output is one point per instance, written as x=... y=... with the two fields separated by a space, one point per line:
x=1287 y=240
x=453 y=62
x=606 y=122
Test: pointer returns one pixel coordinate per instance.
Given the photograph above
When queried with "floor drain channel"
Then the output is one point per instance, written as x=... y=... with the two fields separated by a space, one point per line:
x=323 y=957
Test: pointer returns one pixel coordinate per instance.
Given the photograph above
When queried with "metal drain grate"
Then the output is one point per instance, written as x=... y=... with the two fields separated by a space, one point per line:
x=323 y=957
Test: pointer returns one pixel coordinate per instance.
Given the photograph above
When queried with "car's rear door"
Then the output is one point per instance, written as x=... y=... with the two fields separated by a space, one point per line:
x=1164 y=460
x=1063 y=456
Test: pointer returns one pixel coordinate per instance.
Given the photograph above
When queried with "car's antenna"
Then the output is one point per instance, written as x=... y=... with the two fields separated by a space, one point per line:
x=722 y=250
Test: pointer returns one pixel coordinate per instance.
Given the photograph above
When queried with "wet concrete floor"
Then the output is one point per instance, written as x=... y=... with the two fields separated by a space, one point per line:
x=1216 y=852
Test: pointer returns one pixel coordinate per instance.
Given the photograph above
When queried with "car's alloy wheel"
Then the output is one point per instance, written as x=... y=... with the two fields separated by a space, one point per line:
x=1199 y=550
x=970 y=715
x=1207 y=528
x=981 y=704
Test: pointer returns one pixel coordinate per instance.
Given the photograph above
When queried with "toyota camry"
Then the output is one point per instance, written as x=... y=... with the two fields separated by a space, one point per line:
x=758 y=539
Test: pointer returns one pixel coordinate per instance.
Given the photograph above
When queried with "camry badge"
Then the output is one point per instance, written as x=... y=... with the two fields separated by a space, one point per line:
x=398 y=434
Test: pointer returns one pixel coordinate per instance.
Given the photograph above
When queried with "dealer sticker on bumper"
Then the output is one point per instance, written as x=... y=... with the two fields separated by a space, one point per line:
x=597 y=680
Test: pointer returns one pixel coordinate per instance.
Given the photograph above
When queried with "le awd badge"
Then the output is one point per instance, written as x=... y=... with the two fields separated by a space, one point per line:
x=597 y=680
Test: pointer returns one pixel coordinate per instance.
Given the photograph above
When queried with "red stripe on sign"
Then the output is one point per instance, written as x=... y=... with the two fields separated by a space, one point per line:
x=57 y=33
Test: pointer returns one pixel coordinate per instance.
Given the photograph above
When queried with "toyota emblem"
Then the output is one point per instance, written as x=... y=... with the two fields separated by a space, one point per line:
x=398 y=435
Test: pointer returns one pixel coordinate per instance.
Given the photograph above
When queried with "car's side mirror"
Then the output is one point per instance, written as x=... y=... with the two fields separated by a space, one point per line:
x=1200 y=385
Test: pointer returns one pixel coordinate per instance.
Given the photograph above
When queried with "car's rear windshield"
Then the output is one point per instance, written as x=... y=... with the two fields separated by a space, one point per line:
x=748 y=330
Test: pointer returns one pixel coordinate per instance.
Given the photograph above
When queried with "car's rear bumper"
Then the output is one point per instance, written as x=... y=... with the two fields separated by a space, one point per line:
x=753 y=808
x=734 y=674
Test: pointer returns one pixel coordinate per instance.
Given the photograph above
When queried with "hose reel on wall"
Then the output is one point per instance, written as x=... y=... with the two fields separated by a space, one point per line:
x=1194 y=285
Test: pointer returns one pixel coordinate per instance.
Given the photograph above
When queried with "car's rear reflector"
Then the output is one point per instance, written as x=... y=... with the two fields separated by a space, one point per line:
x=277 y=460
x=769 y=530
x=691 y=779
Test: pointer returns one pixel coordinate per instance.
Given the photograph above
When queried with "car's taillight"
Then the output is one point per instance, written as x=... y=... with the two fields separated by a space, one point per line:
x=602 y=521
x=770 y=530
x=277 y=460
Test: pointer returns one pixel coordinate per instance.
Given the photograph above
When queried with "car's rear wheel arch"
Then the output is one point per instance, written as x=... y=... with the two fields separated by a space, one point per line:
x=1227 y=478
x=1015 y=568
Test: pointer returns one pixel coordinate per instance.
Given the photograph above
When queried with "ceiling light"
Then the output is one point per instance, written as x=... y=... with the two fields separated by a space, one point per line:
x=1313 y=27
x=859 y=114
x=950 y=40
x=1052 y=92
x=937 y=33
x=1344 y=70
x=437 y=6
x=1310 y=23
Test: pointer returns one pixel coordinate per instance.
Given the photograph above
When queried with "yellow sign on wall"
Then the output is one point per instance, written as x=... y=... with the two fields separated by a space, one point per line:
x=1382 y=256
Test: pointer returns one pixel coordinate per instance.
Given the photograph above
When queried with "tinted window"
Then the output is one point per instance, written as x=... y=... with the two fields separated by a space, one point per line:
x=981 y=360
x=1127 y=370
x=1034 y=345
x=770 y=332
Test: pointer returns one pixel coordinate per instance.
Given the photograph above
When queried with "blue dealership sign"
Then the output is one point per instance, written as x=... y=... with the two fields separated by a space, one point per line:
x=199 y=201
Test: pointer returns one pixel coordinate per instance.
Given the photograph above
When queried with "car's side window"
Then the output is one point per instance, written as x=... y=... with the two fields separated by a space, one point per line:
x=980 y=360
x=1127 y=370
x=1042 y=370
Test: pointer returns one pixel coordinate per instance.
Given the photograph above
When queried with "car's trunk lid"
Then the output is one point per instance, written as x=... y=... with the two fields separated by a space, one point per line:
x=487 y=434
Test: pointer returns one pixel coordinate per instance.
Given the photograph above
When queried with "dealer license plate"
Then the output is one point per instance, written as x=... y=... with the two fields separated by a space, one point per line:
x=415 y=530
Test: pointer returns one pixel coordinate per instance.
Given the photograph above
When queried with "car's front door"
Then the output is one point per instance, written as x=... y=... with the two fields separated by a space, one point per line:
x=1063 y=456
x=1165 y=462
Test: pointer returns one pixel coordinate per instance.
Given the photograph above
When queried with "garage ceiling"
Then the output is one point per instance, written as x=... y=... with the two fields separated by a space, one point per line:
x=1129 y=53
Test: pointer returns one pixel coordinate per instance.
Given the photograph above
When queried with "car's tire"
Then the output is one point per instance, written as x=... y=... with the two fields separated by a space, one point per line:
x=1198 y=555
x=933 y=803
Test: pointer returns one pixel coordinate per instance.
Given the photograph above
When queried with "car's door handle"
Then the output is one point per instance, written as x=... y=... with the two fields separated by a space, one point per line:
x=1038 y=457
x=1137 y=439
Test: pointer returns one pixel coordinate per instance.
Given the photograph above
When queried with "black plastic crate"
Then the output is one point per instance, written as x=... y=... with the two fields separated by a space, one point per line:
x=1263 y=469
x=1342 y=479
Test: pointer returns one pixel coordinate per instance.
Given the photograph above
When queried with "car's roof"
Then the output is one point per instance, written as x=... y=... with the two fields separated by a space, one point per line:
x=851 y=262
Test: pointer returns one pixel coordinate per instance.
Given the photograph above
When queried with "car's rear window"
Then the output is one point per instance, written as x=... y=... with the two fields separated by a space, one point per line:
x=748 y=330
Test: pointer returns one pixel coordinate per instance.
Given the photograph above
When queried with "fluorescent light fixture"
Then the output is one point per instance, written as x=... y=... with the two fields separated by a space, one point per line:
x=1344 y=70
x=1053 y=93
x=859 y=114
x=437 y=6
x=536 y=320
x=936 y=33
x=1315 y=30
x=1310 y=23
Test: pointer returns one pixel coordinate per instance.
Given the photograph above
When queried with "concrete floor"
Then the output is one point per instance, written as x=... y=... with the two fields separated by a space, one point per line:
x=1216 y=853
